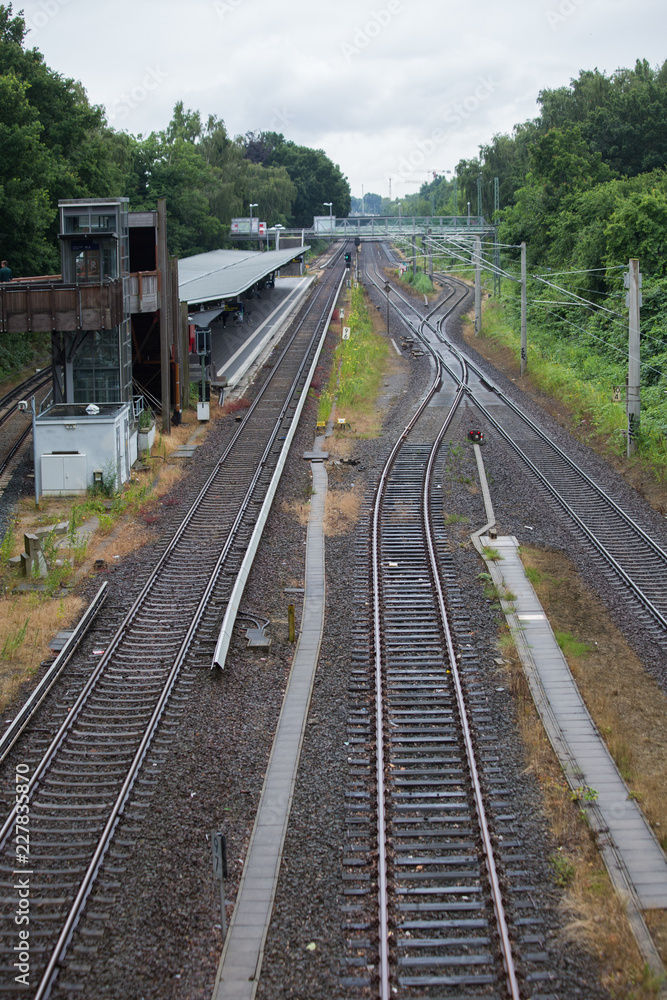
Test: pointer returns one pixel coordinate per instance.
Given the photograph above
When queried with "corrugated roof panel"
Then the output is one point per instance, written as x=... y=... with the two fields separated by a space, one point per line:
x=222 y=274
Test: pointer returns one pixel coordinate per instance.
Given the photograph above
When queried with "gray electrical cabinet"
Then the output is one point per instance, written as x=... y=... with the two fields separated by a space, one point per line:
x=77 y=445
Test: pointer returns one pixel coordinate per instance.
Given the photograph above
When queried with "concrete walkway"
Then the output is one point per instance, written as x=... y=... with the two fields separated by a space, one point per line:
x=636 y=863
x=241 y=962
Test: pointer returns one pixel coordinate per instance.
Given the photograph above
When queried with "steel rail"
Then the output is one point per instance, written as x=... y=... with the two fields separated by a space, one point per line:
x=383 y=894
x=22 y=388
x=378 y=656
x=104 y=841
x=588 y=532
x=6 y=459
x=635 y=588
x=557 y=449
x=494 y=882
x=99 y=670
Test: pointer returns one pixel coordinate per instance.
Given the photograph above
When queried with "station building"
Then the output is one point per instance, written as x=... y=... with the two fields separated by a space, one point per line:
x=120 y=335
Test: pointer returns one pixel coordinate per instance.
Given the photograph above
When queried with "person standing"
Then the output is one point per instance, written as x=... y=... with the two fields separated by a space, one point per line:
x=5 y=271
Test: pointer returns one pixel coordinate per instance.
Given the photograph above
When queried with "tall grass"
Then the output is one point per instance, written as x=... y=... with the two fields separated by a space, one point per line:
x=419 y=281
x=358 y=366
x=19 y=350
x=570 y=370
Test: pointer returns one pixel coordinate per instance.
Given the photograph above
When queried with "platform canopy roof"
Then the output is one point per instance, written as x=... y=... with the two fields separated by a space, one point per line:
x=224 y=274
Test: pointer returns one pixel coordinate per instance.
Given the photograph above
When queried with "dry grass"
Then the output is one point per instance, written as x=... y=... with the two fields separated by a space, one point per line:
x=341 y=510
x=23 y=646
x=126 y=537
x=595 y=915
x=361 y=425
x=297 y=511
x=625 y=702
x=165 y=444
x=339 y=446
x=28 y=622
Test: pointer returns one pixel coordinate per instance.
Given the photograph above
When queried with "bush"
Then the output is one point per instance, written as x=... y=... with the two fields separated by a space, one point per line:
x=419 y=281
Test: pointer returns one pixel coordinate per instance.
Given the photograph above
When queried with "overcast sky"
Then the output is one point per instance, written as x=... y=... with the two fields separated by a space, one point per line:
x=391 y=89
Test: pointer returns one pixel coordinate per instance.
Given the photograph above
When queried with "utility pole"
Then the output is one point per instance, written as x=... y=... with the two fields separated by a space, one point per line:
x=496 y=247
x=633 y=300
x=478 y=286
x=164 y=285
x=524 y=335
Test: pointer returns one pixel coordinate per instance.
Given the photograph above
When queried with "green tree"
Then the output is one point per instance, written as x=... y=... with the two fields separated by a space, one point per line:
x=25 y=208
x=316 y=178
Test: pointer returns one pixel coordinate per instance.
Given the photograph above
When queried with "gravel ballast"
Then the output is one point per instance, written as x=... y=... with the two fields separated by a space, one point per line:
x=162 y=935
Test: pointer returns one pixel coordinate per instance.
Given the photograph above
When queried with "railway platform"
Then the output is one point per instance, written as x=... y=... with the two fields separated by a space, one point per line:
x=236 y=348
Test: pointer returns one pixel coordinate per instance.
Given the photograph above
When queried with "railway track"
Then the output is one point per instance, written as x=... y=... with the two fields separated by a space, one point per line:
x=626 y=552
x=446 y=902
x=9 y=402
x=440 y=917
x=10 y=443
x=74 y=788
x=441 y=922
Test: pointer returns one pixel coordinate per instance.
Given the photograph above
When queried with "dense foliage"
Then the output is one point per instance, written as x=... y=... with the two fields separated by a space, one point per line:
x=54 y=144
x=584 y=184
x=317 y=180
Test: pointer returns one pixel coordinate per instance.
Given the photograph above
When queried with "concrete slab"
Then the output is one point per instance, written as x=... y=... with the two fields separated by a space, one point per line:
x=632 y=854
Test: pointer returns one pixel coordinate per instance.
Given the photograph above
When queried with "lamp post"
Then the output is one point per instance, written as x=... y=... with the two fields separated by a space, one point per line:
x=277 y=228
x=330 y=204
x=253 y=204
x=468 y=215
x=387 y=287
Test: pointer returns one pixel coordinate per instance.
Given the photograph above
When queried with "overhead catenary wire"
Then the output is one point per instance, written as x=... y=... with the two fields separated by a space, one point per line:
x=619 y=350
x=616 y=317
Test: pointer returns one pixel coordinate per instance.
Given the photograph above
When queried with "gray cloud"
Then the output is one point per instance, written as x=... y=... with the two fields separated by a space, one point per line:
x=373 y=84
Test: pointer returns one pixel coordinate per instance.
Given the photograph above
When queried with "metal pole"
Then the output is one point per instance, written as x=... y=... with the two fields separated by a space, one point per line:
x=164 y=285
x=496 y=248
x=524 y=335
x=37 y=459
x=478 y=286
x=386 y=288
x=634 y=374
